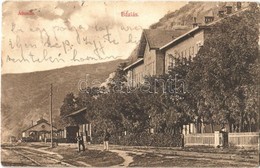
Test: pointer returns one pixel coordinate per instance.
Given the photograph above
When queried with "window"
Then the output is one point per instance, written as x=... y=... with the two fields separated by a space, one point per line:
x=152 y=68
x=199 y=45
x=142 y=77
x=171 y=62
x=148 y=70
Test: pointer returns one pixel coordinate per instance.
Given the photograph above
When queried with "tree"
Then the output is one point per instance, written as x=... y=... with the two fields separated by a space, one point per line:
x=226 y=59
x=119 y=79
x=68 y=107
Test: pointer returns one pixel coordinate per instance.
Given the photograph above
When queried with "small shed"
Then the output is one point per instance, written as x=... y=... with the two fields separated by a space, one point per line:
x=83 y=123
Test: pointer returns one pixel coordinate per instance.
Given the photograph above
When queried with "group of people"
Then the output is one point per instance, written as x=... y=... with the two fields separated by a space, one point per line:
x=80 y=141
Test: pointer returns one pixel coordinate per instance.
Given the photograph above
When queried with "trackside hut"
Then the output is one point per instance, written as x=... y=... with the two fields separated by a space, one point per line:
x=83 y=124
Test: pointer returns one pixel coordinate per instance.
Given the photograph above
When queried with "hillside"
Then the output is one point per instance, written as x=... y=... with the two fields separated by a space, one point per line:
x=26 y=96
x=184 y=16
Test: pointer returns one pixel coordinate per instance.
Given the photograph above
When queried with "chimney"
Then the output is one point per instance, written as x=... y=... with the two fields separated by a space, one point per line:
x=209 y=19
x=229 y=9
x=221 y=13
x=239 y=5
x=194 y=24
x=194 y=19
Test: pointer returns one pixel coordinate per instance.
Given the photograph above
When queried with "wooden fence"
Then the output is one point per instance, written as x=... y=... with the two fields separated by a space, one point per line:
x=207 y=139
x=243 y=139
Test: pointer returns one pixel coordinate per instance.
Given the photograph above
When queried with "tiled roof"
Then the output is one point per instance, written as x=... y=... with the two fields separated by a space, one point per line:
x=38 y=123
x=42 y=121
x=194 y=30
x=157 y=38
x=76 y=112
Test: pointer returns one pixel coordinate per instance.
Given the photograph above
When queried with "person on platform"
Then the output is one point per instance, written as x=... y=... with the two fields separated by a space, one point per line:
x=223 y=129
x=80 y=142
x=224 y=137
x=106 y=139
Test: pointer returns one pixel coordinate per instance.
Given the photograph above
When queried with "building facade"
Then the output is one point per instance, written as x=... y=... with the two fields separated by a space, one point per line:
x=40 y=131
x=158 y=48
x=151 y=59
x=185 y=46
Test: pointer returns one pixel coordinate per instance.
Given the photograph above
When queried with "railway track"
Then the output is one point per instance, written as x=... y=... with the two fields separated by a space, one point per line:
x=32 y=158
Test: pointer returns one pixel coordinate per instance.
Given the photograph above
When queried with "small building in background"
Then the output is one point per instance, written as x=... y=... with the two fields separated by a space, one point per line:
x=40 y=132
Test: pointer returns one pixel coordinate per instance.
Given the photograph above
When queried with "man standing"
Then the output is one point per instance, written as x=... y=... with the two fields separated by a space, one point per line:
x=80 y=142
x=224 y=137
x=106 y=140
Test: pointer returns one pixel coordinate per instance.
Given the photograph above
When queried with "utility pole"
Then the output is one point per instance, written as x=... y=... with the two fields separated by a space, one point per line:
x=51 y=119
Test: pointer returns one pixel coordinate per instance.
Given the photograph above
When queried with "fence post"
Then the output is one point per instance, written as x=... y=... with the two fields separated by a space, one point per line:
x=217 y=142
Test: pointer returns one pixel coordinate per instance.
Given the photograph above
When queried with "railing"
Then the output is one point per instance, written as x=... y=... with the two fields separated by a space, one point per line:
x=199 y=139
x=243 y=139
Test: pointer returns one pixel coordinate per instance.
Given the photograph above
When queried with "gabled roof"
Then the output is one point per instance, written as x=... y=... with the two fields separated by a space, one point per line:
x=42 y=121
x=184 y=35
x=76 y=112
x=78 y=117
x=157 y=38
x=38 y=123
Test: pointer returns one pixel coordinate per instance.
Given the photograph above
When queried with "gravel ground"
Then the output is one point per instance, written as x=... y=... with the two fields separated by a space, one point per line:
x=134 y=156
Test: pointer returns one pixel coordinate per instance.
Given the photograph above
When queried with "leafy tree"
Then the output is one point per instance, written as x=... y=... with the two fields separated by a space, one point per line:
x=119 y=79
x=226 y=60
x=67 y=107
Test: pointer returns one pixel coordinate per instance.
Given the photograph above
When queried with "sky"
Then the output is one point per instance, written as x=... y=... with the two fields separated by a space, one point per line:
x=40 y=36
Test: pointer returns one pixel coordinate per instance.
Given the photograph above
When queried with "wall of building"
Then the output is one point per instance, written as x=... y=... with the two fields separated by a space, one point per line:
x=160 y=62
x=138 y=75
x=135 y=75
x=129 y=77
x=39 y=127
x=157 y=62
x=185 y=49
x=149 y=61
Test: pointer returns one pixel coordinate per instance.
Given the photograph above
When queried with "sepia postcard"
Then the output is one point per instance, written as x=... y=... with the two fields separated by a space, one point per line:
x=130 y=84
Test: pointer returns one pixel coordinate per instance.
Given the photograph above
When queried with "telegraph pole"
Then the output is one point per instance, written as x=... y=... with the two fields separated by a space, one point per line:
x=51 y=119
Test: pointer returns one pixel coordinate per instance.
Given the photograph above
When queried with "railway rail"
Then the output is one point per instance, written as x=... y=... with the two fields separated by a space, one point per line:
x=37 y=158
